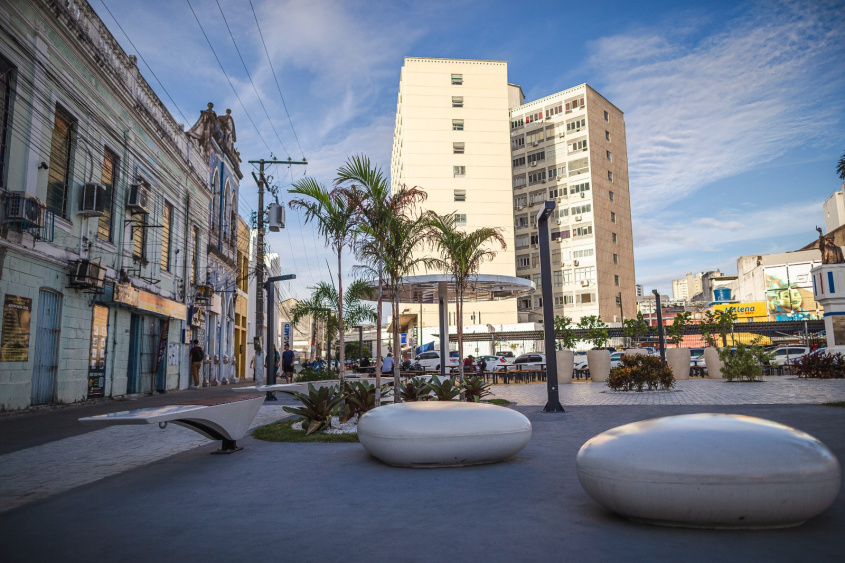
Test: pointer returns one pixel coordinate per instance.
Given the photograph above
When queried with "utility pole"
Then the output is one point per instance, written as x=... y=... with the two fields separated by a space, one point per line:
x=259 y=256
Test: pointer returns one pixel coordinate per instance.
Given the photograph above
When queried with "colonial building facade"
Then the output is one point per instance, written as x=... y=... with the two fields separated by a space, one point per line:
x=106 y=265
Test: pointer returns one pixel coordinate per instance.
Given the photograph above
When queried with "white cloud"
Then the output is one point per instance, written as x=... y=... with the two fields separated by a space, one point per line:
x=701 y=110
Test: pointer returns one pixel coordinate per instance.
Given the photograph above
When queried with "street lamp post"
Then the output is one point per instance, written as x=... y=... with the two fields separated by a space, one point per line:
x=270 y=356
x=553 y=403
x=660 y=338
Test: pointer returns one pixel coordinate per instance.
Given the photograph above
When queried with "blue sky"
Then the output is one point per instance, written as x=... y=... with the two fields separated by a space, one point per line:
x=734 y=111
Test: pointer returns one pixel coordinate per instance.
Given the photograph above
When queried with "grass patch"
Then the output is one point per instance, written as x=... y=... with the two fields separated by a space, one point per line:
x=500 y=402
x=281 y=431
x=835 y=404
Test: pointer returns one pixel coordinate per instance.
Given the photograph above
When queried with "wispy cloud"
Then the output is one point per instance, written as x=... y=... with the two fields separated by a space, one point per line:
x=702 y=109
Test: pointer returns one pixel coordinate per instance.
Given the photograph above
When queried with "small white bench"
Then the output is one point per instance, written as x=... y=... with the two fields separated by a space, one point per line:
x=225 y=418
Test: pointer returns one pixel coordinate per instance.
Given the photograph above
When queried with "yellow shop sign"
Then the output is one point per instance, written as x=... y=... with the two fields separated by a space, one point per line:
x=748 y=311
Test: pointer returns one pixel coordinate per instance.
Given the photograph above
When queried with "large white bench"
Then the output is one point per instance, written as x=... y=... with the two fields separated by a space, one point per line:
x=710 y=471
x=219 y=418
x=443 y=433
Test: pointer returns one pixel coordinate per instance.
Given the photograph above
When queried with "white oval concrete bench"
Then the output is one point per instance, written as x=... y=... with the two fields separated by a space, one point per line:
x=443 y=433
x=220 y=418
x=710 y=471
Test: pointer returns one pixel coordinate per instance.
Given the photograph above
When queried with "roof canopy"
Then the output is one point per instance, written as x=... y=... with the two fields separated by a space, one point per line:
x=481 y=287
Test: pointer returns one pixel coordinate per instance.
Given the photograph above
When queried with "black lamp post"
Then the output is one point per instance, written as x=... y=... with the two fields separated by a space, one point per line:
x=660 y=338
x=270 y=356
x=553 y=403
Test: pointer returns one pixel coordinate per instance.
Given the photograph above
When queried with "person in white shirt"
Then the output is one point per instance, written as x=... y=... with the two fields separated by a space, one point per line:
x=387 y=365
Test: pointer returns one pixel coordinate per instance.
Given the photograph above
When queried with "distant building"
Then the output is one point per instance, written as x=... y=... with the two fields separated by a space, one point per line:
x=687 y=288
x=640 y=290
x=834 y=210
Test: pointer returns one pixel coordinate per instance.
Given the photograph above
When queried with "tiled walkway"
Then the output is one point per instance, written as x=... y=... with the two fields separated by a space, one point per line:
x=772 y=391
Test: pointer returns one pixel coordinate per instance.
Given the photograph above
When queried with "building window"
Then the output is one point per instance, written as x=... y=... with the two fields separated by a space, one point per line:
x=557 y=278
x=460 y=219
x=520 y=202
x=614 y=238
x=579 y=188
x=521 y=241
x=457 y=101
x=609 y=157
x=612 y=217
x=139 y=239
x=584 y=208
x=572 y=105
x=523 y=304
x=579 y=145
x=609 y=176
x=606 y=116
x=457 y=148
x=517 y=123
x=459 y=171
x=579 y=166
x=576 y=124
x=457 y=79
x=616 y=259
x=537 y=177
x=521 y=222
x=610 y=196
x=6 y=77
x=535 y=137
x=538 y=302
x=535 y=157
x=534 y=117
x=519 y=181
x=538 y=280
x=517 y=142
x=583 y=253
x=584 y=231
x=616 y=281
x=58 y=179
x=557 y=192
x=523 y=262
x=108 y=177
x=585 y=298
x=166 y=228
x=195 y=257
x=554 y=110
x=457 y=125
x=460 y=195
x=518 y=161
x=607 y=135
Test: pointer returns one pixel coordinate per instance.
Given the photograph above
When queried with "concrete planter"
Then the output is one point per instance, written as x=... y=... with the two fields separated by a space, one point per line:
x=598 y=361
x=713 y=363
x=635 y=352
x=678 y=360
x=565 y=366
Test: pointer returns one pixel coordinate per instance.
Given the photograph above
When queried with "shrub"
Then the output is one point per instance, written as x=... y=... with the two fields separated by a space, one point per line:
x=565 y=333
x=317 y=406
x=414 y=390
x=823 y=365
x=475 y=388
x=640 y=371
x=677 y=329
x=743 y=362
x=636 y=329
x=445 y=390
x=311 y=374
x=596 y=330
x=360 y=396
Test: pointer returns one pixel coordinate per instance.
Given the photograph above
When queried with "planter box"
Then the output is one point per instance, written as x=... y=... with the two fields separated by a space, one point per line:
x=598 y=361
x=678 y=360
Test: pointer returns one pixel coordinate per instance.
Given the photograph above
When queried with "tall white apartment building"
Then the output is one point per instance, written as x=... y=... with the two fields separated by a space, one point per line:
x=570 y=147
x=451 y=140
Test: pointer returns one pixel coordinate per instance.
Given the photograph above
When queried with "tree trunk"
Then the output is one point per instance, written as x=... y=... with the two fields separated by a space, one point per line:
x=459 y=308
x=341 y=353
x=397 y=396
x=378 y=338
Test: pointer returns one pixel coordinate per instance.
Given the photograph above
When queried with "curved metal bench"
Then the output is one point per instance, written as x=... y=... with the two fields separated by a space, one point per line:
x=224 y=418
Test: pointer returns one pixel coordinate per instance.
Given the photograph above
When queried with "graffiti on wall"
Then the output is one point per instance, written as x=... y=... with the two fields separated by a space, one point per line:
x=789 y=293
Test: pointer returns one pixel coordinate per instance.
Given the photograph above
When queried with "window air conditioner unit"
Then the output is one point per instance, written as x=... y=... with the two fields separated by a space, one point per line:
x=543 y=181
x=533 y=163
x=561 y=134
x=585 y=283
x=275 y=217
x=575 y=262
x=535 y=143
x=20 y=207
x=203 y=293
x=140 y=198
x=93 y=201
x=578 y=217
x=558 y=221
x=583 y=195
x=87 y=274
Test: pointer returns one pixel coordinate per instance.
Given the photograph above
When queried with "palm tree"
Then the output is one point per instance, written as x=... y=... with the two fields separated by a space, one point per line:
x=840 y=168
x=333 y=213
x=461 y=254
x=377 y=207
x=323 y=306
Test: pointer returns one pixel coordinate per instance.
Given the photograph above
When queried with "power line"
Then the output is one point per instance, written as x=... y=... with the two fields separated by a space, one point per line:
x=276 y=79
x=232 y=86
x=257 y=95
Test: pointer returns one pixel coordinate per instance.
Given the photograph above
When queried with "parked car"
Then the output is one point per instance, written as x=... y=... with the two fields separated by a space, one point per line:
x=534 y=360
x=615 y=358
x=494 y=363
x=506 y=354
x=787 y=354
x=431 y=360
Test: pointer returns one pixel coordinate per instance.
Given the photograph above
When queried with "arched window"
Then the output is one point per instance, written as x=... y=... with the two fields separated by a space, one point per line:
x=225 y=203
x=215 y=201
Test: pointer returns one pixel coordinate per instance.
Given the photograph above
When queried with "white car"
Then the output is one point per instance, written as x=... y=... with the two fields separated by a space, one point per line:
x=430 y=360
x=788 y=354
x=581 y=360
x=534 y=360
x=494 y=363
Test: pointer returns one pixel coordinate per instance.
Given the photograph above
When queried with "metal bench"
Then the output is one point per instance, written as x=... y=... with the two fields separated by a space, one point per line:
x=224 y=418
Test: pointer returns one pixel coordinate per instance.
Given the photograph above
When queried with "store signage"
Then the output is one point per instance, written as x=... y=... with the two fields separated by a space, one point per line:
x=146 y=301
x=286 y=333
x=17 y=313
x=745 y=310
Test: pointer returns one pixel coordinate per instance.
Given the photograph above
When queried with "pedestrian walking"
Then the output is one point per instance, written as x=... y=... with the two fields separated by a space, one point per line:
x=387 y=364
x=287 y=364
x=196 y=354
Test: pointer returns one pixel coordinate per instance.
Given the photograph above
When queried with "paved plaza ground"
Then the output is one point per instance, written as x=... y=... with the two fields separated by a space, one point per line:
x=141 y=493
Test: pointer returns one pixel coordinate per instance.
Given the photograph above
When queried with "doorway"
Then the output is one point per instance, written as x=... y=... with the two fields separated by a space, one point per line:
x=46 y=347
